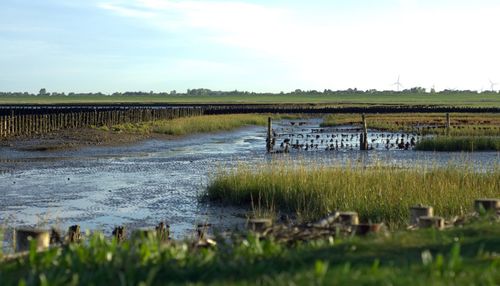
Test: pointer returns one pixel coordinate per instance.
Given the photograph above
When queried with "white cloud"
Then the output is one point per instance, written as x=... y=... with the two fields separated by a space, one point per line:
x=443 y=46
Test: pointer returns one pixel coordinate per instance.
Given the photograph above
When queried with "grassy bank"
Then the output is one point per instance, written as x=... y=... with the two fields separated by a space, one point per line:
x=340 y=98
x=378 y=194
x=462 y=124
x=191 y=125
x=458 y=256
x=452 y=144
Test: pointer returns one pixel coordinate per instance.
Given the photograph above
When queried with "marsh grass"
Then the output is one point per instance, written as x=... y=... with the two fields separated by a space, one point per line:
x=197 y=124
x=451 y=144
x=462 y=124
x=379 y=193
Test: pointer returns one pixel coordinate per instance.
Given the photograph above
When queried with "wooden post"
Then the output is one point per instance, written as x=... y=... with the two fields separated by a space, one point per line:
x=448 y=124
x=144 y=233
x=1 y=127
x=269 y=145
x=349 y=218
x=363 y=144
x=24 y=236
x=419 y=211
x=74 y=235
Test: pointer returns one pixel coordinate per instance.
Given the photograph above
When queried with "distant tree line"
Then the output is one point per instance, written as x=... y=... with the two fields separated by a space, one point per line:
x=297 y=92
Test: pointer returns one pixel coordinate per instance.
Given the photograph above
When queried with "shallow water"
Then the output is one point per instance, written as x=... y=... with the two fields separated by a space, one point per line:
x=154 y=180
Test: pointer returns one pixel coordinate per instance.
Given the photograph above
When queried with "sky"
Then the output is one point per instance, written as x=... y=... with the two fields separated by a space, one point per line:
x=263 y=46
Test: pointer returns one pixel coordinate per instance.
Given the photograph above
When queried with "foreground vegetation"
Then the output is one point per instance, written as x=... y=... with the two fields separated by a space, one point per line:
x=462 y=124
x=457 y=256
x=459 y=144
x=196 y=124
x=378 y=194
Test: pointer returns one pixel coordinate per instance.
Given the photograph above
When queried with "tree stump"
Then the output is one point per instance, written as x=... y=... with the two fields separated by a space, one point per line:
x=259 y=224
x=26 y=235
x=418 y=211
x=482 y=205
x=431 y=222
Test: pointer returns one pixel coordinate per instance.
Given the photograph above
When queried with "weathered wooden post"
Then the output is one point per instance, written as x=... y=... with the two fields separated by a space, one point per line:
x=363 y=144
x=420 y=211
x=74 y=235
x=1 y=127
x=448 y=124
x=269 y=145
x=24 y=236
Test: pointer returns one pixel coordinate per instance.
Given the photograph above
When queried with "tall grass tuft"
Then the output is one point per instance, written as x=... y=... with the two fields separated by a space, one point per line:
x=378 y=193
x=451 y=144
x=196 y=124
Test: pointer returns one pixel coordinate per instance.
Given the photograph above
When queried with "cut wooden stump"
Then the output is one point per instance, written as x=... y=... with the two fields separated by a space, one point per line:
x=431 y=222
x=367 y=228
x=482 y=205
x=348 y=218
x=259 y=224
x=418 y=211
x=24 y=236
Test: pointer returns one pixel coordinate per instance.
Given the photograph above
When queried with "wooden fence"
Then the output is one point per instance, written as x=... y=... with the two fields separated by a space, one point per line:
x=28 y=120
x=42 y=123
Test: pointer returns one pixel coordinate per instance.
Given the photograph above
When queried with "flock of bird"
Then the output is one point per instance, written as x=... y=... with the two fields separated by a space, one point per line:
x=328 y=139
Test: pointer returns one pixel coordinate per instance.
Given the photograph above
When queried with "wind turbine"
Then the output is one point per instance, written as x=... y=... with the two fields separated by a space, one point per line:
x=398 y=84
x=493 y=84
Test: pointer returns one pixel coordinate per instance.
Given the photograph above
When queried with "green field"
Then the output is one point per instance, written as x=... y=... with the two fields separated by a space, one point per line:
x=449 y=99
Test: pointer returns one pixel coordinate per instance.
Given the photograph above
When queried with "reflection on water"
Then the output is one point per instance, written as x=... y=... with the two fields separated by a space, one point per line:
x=154 y=180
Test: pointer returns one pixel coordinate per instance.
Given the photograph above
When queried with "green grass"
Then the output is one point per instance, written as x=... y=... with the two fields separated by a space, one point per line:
x=460 y=256
x=449 y=99
x=453 y=144
x=191 y=125
x=378 y=194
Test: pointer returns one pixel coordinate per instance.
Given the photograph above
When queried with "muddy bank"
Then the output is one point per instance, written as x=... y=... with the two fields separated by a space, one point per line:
x=73 y=139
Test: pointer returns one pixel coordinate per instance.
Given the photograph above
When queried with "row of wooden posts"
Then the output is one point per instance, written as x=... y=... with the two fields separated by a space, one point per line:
x=363 y=139
x=420 y=217
x=37 y=124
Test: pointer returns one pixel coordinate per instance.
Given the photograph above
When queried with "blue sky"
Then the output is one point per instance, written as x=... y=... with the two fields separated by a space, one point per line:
x=163 y=45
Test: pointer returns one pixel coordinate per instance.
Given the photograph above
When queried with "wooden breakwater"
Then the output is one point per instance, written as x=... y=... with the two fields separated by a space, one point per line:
x=38 y=121
x=29 y=120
